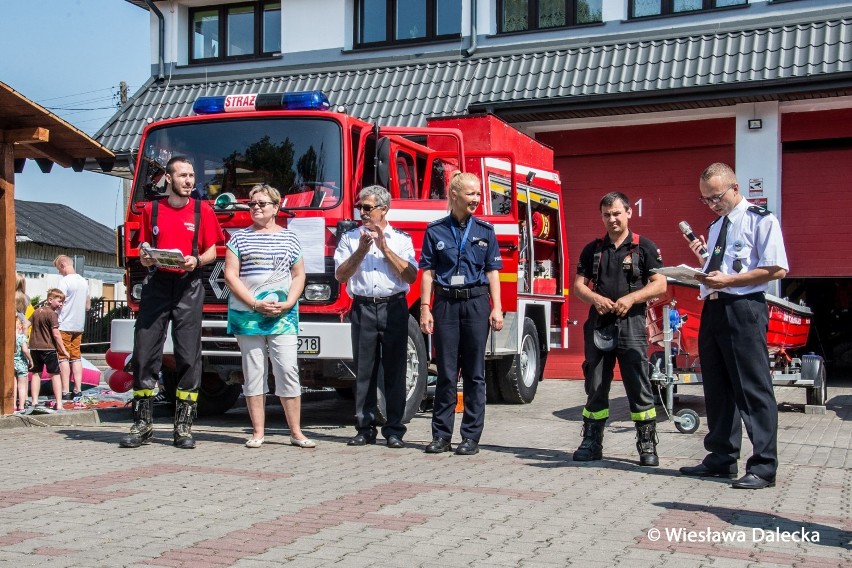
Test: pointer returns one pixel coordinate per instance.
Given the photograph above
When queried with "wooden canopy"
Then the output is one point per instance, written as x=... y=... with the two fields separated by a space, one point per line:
x=28 y=131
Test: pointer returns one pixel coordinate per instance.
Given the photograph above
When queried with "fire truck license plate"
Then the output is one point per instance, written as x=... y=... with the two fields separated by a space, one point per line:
x=309 y=345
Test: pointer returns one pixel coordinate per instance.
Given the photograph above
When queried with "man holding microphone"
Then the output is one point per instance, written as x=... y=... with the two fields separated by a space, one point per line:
x=747 y=254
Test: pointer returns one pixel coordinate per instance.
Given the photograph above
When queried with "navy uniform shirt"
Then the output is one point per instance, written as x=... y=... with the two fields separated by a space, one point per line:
x=616 y=265
x=480 y=253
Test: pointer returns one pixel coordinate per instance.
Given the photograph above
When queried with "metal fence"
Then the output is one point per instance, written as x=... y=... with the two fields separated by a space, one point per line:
x=98 y=320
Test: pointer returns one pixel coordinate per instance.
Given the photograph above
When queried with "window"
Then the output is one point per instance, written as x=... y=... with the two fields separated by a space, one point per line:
x=643 y=8
x=528 y=15
x=237 y=31
x=390 y=22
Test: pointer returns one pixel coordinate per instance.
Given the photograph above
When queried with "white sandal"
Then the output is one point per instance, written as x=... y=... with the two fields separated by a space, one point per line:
x=302 y=443
x=254 y=442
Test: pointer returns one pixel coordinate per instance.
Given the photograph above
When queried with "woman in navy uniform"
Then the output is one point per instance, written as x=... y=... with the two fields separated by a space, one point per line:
x=460 y=261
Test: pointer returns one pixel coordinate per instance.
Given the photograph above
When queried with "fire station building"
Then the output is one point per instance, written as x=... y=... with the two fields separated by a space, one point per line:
x=633 y=95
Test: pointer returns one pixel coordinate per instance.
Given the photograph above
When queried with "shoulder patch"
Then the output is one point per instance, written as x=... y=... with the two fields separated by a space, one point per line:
x=716 y=220
x=436 y=222
x=400 y=231
x=483 y=223
x=762 y=211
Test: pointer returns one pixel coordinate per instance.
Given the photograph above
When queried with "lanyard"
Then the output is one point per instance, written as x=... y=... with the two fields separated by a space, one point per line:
x=463 y=241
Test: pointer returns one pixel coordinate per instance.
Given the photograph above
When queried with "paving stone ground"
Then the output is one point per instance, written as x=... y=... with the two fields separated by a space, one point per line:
x=72 y=497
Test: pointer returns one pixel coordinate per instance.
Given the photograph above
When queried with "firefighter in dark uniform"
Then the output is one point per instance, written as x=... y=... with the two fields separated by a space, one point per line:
x=748 y=253
x=377 y=263
x=460 y=261
x=614 y=276
x=176 y=295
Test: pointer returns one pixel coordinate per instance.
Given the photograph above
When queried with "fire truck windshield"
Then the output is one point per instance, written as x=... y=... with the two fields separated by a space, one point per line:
x=301 y=157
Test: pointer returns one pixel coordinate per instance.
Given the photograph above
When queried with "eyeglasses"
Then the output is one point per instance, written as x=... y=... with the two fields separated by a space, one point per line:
x=260 y=204
x=716 y=198
x=367 y=208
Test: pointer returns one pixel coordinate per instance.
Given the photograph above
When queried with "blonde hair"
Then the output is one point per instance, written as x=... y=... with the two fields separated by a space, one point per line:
x=21 y=298
x=62 y=259
x=459 y=179
x=55 y=293
x=270 y=191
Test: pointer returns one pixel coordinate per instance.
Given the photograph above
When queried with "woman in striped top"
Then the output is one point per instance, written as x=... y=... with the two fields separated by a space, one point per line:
x=266 y=275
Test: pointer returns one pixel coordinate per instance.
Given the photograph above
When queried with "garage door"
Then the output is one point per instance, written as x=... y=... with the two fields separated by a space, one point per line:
x=657 y=167
x=816 y=194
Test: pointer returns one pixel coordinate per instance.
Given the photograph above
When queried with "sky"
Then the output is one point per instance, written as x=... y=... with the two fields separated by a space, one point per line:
x=69 y=56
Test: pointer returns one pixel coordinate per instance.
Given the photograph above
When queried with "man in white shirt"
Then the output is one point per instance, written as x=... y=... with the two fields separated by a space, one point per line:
x=747 y=254
x=378 y=264
x=72 y=321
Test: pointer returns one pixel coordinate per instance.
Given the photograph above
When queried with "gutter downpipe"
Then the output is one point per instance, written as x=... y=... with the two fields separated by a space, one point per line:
x=472 y=49
x=162 y=28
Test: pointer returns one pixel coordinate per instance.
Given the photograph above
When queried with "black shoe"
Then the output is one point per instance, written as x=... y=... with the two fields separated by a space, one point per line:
x=76 y=394
x=752 y=481
x=439 y=445
x=702 y=470
x=67 y=396
x=395 y=442
x=361 y=440
x=467 y=448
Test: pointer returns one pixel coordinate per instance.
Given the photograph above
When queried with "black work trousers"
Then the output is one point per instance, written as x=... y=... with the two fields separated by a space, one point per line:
x=175 y=297
x=379 y=348
x=461 y=330
x=632 y=356
x=738 y=384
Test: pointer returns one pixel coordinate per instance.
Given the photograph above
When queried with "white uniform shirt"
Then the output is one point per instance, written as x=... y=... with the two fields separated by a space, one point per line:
x=375 y=277
x=753 y=239
x=72 y=316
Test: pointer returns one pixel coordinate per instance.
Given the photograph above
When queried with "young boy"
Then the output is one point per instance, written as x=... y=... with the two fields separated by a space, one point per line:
x=45 y=342
x=23 y=361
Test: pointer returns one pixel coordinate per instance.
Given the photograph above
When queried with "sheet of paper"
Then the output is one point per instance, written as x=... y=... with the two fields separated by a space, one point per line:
x=311 y=233
x=681 y=273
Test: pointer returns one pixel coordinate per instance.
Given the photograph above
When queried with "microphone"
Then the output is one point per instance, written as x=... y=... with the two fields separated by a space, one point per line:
x=687 y=230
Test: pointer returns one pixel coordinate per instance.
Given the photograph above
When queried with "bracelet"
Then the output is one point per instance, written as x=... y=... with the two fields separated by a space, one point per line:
x=425 y=306
x=197 y=261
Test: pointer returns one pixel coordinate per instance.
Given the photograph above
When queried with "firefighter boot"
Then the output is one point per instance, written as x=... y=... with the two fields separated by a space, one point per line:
x=646 y=442
x=143 y=424
x=591 y=448
x=184 y=413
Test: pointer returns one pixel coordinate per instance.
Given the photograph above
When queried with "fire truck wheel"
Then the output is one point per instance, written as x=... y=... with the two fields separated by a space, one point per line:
x=214 y=397
x=416 y=375
x=518 y=375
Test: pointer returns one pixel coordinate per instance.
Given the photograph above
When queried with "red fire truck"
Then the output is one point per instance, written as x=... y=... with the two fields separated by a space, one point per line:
x=320 y=158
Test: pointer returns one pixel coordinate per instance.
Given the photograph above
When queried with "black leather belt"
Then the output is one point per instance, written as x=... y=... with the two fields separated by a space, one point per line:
x=728 y=296
x=461 y=293
x=378 y=300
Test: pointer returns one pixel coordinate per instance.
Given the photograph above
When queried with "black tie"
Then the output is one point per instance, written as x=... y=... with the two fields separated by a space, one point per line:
x=719 y=248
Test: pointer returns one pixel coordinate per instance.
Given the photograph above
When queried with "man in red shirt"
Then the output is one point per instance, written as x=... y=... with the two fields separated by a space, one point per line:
x=173 y=295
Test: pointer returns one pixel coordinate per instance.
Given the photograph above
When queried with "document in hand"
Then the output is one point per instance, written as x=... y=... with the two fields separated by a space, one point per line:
x=680 y=273
x=171 y=258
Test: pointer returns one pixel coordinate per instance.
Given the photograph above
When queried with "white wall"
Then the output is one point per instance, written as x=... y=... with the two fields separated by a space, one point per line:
x=758 y=152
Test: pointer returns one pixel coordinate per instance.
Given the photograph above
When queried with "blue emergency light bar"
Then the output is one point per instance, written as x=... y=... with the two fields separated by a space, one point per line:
x=304 y=100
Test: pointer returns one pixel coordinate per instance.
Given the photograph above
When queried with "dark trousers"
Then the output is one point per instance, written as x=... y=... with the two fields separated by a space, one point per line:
x=738 y=383
x=379 y=348
x=632 y=356
x=461 y=330
x=169 y=297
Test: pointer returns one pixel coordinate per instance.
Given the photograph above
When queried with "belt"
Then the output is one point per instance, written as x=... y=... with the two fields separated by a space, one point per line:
x=728 y=296
x=379 y=300
x=461 y=293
